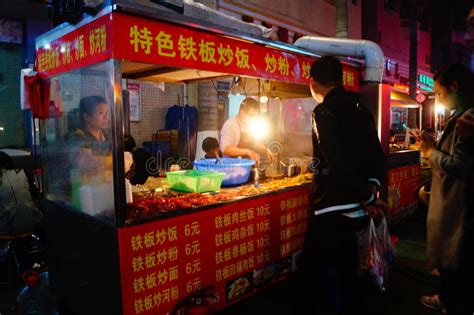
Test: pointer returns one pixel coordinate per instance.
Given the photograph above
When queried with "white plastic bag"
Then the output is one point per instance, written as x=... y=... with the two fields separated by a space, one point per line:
x=376 y=252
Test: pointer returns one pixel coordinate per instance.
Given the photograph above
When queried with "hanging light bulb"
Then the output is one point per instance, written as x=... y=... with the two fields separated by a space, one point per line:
x=259 y=127
x=263 y=99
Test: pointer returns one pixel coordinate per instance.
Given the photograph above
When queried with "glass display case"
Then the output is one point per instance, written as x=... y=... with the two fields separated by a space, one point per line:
x=77 y=141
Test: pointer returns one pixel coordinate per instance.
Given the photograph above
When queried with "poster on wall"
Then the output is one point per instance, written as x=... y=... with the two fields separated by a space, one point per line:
x=11 y=31
x=134 y=99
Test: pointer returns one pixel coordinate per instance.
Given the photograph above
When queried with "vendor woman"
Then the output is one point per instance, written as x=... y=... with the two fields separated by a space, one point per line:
x=236 y=140
x=91 y=151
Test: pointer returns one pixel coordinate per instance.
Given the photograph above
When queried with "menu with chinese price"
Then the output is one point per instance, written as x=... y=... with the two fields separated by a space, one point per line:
x=238 y=247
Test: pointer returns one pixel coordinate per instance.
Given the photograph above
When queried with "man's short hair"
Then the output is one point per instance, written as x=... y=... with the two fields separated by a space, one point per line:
x=327 y=70
x=248 y=104
x=209 y=144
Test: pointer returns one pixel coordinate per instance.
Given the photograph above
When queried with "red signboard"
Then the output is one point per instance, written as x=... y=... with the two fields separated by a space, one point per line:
x=402 y=182
x=238 y=247
x=88 y=44
x=150 y=41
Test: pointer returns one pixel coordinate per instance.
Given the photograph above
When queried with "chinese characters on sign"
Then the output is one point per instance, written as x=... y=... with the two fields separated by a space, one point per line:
x=153 y=269
x=293 y=214
x=235 y=244
x=148 y=41
x=143 y=41
x=88 y=44
x=160 y=43
x=402 y=182
x=348 y=78
x=164 y=261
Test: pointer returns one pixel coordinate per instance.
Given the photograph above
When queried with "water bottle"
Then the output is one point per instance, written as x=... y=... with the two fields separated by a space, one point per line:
x=36 y=297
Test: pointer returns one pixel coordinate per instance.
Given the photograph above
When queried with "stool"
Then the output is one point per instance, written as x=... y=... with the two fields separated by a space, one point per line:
x=11 y=251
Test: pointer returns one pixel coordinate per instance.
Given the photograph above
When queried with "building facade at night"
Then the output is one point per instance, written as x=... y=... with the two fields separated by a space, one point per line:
x=19 y=28
x=295 y=18
x=382 y=21
x=386 y=22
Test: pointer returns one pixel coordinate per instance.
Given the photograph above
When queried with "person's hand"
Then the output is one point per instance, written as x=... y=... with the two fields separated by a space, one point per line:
x=416 y=133
x=465 y=125
x=254 y=156
x=377 y=208
x=374 y=189
x=426 y=140
x=271 y=156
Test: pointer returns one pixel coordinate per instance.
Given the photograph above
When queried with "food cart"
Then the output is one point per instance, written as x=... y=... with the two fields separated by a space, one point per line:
x=394 y=111
x=109 y=257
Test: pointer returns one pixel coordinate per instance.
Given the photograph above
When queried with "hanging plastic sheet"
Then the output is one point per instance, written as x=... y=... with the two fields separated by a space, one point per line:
x=38 y=91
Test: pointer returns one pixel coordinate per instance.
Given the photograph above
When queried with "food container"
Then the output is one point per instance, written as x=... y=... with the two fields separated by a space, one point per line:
x=92 y=201
x=236 y=171
x=195 y=181
x=291 y=170
x=257 y=174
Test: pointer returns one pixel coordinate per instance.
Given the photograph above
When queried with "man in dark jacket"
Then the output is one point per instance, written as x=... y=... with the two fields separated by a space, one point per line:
x=348 y=168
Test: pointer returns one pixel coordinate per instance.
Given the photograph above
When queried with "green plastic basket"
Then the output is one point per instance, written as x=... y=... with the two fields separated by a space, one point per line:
x=195 y=181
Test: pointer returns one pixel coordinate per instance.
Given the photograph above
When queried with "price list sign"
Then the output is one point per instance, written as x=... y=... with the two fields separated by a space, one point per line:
x=239 y=248
x=161 y=263
x=292 y=222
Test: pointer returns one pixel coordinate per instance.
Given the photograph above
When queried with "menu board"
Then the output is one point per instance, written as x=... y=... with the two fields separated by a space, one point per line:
x=239 y=248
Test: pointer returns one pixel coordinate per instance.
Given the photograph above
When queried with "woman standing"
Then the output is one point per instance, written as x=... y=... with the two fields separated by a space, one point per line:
x=450 y=222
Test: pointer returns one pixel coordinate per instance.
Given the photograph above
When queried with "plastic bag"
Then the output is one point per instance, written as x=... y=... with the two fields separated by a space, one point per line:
x=389 y=251
x=376 y=252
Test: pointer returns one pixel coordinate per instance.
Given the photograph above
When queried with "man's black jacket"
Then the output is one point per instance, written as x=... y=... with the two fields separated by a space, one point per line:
x=347 y=152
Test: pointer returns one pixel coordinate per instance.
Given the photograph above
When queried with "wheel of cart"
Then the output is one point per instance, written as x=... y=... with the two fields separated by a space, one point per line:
x=196 y=303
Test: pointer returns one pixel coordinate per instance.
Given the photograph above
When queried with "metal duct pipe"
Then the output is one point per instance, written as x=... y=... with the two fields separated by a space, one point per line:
x=364 y=49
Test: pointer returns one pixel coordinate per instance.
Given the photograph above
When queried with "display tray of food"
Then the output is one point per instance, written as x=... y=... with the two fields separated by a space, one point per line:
x=155 y=198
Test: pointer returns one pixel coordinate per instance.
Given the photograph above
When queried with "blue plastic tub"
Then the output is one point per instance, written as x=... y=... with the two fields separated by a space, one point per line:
x=237 y=171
